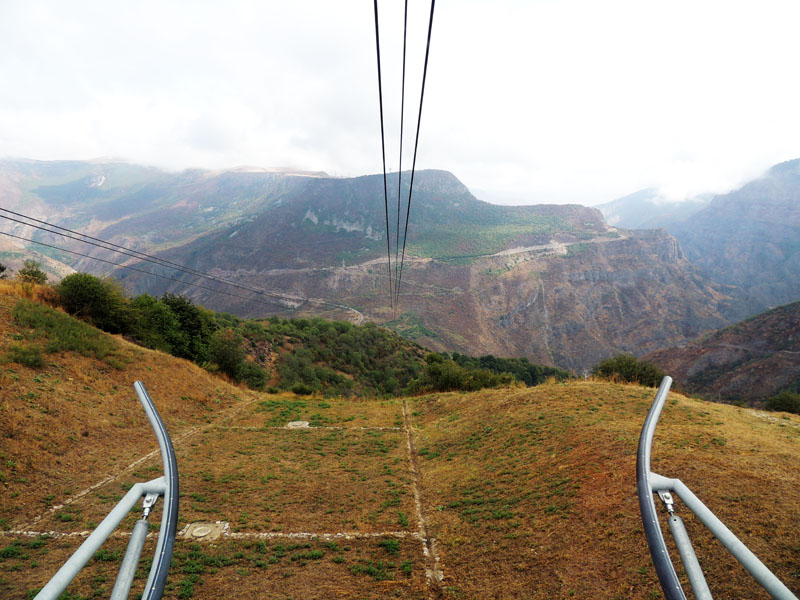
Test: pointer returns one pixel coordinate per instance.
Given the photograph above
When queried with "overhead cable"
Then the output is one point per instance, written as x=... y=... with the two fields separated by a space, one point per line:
x=416 y=145
x=110 y=246
x=383 y=152
x=124 y=266
x=92 y=241
x=400 y=167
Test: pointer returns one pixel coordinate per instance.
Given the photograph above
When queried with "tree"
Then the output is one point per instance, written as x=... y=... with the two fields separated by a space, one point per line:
x=785 y=401
x=154 y=325
x=196 y=324
x=627 y=369
x=31 y=272
x=225 y=349
x=101 y=301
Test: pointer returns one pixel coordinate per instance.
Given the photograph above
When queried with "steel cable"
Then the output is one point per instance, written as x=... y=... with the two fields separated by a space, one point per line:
x=383 y=152
x=414 y=162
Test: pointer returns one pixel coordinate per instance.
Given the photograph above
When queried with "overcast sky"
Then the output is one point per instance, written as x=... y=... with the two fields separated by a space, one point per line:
x=531 y=100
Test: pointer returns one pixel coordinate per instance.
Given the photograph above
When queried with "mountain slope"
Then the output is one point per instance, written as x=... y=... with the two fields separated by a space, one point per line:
x=648 y=209
x=746 y=362
x=551 y=283
x=750 y=239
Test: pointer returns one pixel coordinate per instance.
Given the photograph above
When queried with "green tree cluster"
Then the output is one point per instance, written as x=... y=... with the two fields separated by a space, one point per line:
x=443 y=374
x=525 y=371
x=338 y=358
x=172 y=324
x=785 y=401
x=627 y=369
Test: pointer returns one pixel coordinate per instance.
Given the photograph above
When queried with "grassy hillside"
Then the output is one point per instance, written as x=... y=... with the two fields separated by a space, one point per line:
x=512 y=493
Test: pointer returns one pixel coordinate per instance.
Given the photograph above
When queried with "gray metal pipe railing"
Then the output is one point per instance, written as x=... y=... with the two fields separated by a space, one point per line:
x=652 y=528
x=166 y=486
x=157 y=579
x=735 y=546
x=85 y=552
x=689 y=559
x=647 y=484
x=127 y=570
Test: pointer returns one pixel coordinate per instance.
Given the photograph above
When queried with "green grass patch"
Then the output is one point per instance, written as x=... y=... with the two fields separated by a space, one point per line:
x=62 y=332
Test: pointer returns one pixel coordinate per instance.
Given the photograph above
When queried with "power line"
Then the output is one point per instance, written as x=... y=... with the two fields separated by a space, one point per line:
x=416 y=145
x=400 y=167
x=124 y=266
x=383 y=152
x=110 y=246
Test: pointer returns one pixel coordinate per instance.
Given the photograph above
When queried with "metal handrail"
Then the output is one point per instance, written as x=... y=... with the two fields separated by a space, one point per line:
x=157 y=579
x=166 y=486
x=652 y=528
x=647 y=484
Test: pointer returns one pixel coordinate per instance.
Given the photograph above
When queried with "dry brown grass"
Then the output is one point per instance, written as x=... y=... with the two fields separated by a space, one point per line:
x=530 y=493
x=75 y=420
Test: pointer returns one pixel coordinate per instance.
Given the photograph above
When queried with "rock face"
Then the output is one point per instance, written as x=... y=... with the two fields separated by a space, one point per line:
x=748 y=362
x=553 y=283
x=750 y=239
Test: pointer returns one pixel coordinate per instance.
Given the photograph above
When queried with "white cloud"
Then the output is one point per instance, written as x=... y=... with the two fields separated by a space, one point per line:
x=549 y=101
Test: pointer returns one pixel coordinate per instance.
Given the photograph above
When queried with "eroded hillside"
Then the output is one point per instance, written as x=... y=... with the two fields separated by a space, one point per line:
x=746 y=362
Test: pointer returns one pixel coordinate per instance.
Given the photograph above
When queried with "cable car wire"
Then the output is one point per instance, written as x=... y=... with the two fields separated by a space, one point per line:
x=92 y=241
x=124 y=266
x=414 y=162
x=383 y=152
x=400 y=167
x=110 y=246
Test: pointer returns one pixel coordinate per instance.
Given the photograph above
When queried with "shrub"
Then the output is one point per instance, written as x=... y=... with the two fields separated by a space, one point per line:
x=154 y=325
x=196 y=324
x=444 y=375
x=627 y=369
x=253 y=375
x=225 y=350
x=31 y=272
x=101 y=301
x=784 y=402
x=29 y=356
x=301 y=389
x=3 y=270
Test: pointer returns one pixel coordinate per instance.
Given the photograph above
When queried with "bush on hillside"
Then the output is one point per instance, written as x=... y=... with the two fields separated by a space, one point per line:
x=225 y=350
x=445 y=375
x=31 y=272
x=100 y=301
x=3 y=270
x=528 y=373
x=196 y=323
x=154 y=325
x=784 y=402
x=301 y=389
x=627 y=369
x=29 y=356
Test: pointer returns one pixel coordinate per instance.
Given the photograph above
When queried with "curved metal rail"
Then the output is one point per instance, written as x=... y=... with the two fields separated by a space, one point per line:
x=154 y=588
x=652 y=528
x=647 y=484
x=166 y=486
